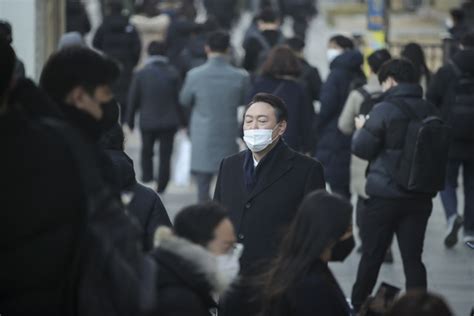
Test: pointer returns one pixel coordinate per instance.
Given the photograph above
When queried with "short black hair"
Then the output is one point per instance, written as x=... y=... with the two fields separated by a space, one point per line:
x=457 y=15
x=157 y=48
x=218 y=41
x=342 y=41
x=467 y=41
x=267 y=15
x=278 y=105
x=377 y=59
x=6 y=31
x=7 y=65
x=295 y=43
x=198 y=222
x=401 y=70
x=76 y=66
x=113 y=138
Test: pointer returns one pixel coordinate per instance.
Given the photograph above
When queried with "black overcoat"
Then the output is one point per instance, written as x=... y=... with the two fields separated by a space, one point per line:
x=261 y=216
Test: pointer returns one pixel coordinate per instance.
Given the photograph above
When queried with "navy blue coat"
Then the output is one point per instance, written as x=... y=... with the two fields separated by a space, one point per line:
x=333 y=147
x=300 y=108
x=154 y=92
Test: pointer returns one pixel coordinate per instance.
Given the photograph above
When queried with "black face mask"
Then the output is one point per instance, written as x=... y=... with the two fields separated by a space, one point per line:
x=342 y=249
x=110 y=115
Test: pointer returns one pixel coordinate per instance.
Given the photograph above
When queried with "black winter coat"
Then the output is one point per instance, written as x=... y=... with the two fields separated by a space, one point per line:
x=298 y=103
x=260 y=216
x=316 y=293
x=333 y=147
x=187 y=277
x=253 y=46
x=145 y=204
x=312 y=80
x=381 y=140
x=119 y=39
x=439 y=92
x=41 y=205
x=155 y=92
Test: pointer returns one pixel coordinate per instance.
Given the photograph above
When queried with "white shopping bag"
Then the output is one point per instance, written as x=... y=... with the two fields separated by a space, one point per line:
x=181 y=175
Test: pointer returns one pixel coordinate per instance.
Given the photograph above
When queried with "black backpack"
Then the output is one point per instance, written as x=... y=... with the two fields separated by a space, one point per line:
x=461 y=108
x=422 y=165
x=109 y=274
x=370 y=100
x=266 y=47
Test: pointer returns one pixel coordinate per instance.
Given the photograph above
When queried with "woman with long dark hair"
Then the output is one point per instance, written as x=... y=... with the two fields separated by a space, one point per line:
x=414 y=53
x=299 y=281
x=279 y=75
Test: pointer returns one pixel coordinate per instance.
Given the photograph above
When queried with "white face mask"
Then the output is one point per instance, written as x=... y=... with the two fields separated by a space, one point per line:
x=228 y=265
x=332 y=53
x=258 y=139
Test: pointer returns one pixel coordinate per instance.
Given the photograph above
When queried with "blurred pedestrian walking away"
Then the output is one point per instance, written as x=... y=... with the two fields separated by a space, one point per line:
x=279 y=76
x=452 y=91
x=333 y=147
x=119 y=39
x=154 y=93
x=213 y=92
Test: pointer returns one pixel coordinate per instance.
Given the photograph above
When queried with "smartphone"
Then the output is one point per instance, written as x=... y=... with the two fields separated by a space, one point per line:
x=384 y=297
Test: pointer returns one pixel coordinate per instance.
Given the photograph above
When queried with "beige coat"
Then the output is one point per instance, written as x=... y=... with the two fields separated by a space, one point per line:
x=150 y=29
x=346 y=125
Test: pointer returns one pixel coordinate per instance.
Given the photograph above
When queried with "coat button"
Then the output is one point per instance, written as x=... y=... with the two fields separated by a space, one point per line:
x=241 y=236
x=248 y=205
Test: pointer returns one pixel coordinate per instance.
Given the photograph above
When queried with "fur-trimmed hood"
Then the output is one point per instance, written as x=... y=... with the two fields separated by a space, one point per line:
x=196 y=256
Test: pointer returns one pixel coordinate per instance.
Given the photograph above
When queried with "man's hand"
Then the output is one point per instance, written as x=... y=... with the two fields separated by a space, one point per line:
x=127 y=130
x=360 y=121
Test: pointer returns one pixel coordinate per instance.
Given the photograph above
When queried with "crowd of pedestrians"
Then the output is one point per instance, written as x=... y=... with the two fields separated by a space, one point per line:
x=81 y=236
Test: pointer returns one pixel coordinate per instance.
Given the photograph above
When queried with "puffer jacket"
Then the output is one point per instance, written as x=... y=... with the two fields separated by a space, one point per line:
x=382 y=138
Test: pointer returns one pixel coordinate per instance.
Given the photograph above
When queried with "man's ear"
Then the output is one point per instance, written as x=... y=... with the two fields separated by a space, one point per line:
x=282 y=129
x=78 y=97
x=207 y=49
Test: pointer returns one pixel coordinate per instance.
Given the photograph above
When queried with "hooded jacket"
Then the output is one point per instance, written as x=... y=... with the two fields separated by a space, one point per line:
x=188 y=277
x=382 y=138
x=333 y=147
x=439 y=93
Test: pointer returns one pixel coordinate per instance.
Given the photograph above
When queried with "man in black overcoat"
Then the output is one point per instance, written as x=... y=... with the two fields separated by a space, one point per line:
x=262 y=188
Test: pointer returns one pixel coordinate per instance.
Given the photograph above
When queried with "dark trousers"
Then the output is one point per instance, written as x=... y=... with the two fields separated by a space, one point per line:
x=449 y=197
x=380 y=220
x=166 y=138
x=203 y=182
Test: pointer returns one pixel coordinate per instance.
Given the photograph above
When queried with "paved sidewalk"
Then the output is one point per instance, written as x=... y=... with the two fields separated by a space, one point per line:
x=450 y=272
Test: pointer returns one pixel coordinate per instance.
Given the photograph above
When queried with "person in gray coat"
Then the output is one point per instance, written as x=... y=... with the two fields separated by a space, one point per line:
x=213 y=91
